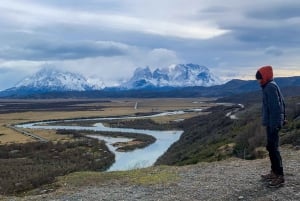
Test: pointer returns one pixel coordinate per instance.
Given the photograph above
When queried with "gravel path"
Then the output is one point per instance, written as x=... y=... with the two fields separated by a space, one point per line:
x=232 y=179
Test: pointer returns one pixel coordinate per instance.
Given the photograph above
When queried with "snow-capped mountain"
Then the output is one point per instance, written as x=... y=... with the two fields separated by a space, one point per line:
x=49 y=79
x=181 y=75
x=53 y=80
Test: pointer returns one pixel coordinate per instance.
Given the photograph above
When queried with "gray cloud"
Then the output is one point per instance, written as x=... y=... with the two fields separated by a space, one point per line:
x=10 y=76
x=282 y=11
x=4 y=70
x=284 y=36
x=58 y=50
x=273 y=51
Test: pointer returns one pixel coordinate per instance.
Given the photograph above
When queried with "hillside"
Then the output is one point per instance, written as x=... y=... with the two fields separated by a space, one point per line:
x=232 y=179
x=216 y=136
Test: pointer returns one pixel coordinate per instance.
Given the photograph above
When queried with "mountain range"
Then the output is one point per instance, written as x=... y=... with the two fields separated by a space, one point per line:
x=181 y=75
x=182 y=80
x=53 y=80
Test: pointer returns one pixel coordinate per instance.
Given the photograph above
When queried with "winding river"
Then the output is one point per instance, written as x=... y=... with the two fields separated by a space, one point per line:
x=139 y=158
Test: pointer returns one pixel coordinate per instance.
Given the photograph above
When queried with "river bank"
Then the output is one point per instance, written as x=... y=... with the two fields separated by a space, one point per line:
x=231 y=179
x=144 y=157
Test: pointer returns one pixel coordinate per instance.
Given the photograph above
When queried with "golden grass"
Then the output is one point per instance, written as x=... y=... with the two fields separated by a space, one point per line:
x=10 y=136
x=145 y=176
x=49 y=134
x=168 y=119
x=116 y=107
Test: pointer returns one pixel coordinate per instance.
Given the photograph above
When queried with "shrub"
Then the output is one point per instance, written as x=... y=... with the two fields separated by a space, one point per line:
x=27 y=166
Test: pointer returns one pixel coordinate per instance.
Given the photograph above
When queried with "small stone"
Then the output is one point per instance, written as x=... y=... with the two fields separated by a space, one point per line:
x=14 y=151
x=241 y=197
x=43 y=191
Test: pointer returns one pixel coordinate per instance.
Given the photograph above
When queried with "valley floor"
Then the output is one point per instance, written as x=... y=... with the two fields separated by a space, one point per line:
x=232 y=179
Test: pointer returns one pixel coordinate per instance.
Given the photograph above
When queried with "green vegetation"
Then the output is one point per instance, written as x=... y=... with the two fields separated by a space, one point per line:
x=145 y=176
x=202 y=136
x=215 y=136
x=139 y=140
x=291 y=132
x=141 y=124
x=27 y=166
x=251 y=135
x=119 y=123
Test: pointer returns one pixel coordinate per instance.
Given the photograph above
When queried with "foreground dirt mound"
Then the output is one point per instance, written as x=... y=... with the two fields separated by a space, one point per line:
x=233 y=179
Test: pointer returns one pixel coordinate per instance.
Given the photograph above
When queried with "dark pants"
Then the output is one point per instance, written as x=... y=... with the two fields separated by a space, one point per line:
x=273 y=149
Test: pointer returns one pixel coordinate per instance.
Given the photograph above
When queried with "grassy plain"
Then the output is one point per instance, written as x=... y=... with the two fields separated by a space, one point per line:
x=20 y=111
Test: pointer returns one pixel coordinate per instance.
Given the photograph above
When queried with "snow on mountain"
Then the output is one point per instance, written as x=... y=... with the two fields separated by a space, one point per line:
x=181 y=75
x=95 y=83
x=49 y=79
x=142 y=77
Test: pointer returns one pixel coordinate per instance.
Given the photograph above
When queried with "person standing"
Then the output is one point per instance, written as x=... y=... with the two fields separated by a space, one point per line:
x=273 y=118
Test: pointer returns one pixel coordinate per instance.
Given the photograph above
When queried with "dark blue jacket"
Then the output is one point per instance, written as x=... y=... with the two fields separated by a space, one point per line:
x=273 y=108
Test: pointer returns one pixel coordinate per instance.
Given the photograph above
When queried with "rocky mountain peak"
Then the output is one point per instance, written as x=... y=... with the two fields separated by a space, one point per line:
x=180 y=75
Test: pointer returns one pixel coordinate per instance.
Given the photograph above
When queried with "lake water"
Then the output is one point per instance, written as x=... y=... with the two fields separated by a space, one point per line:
x=137 y=158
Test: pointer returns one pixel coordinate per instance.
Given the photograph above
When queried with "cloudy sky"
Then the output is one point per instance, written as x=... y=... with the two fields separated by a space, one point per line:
x=108 y=39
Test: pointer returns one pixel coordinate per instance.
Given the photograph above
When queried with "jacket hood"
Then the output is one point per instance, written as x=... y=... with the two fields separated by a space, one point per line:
x=266 y=73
